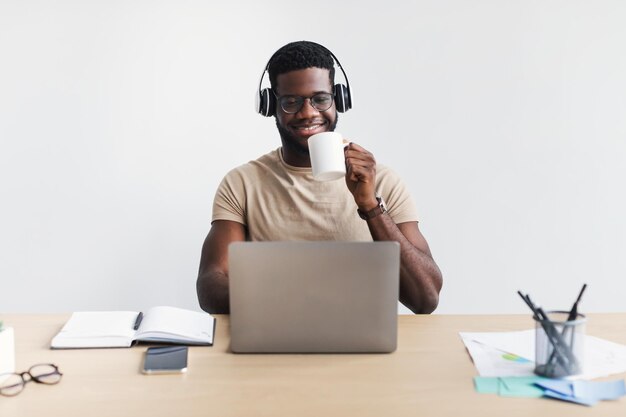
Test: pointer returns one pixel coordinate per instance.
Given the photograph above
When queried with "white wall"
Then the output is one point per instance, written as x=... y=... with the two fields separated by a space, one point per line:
x=119 y=118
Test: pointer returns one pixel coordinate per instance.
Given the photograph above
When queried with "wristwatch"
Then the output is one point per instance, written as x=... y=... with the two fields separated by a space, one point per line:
x=379 y=209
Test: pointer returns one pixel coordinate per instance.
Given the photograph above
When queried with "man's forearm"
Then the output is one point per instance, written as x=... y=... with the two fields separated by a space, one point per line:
x=420 y=277
x=212 y=288
x=420 y=280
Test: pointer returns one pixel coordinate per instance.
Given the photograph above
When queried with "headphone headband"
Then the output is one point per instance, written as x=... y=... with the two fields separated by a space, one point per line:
x=266 y=100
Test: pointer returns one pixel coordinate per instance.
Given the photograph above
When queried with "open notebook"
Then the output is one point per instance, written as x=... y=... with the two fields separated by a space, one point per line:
x=98 y=329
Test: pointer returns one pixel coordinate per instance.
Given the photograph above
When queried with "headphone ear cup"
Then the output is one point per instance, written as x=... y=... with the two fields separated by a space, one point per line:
x=267 y=103
x=343 y=102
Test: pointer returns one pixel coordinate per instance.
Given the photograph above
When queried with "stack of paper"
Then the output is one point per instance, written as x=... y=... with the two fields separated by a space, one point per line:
x=499 y=354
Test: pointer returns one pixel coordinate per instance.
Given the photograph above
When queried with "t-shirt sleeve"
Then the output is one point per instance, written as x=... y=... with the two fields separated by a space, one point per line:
x=230 y=201
x=393 y=190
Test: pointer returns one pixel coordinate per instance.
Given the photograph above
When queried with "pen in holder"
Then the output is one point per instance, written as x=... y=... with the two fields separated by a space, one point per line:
x=559 y=344
x=559 y=339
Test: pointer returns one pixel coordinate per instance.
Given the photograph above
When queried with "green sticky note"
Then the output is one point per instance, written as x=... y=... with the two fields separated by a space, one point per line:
x=520 y=386
x=486 y=385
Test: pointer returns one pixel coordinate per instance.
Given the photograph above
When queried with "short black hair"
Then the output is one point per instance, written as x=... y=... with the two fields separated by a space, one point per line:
x=300 y=55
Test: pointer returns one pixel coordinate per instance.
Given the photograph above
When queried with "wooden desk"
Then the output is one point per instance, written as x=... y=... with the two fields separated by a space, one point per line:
x=429 y=375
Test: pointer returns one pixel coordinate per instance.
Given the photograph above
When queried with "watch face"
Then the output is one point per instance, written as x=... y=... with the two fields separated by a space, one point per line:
x=381 y=204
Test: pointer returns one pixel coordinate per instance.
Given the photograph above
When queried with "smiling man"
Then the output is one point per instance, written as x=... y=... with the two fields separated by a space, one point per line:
x=276 y=198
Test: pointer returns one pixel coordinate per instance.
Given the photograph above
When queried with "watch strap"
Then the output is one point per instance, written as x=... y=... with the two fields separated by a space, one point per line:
x=376 y=211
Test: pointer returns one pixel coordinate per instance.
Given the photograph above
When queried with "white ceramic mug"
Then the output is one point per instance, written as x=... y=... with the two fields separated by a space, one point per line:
x=7 y=352
x=327 y=157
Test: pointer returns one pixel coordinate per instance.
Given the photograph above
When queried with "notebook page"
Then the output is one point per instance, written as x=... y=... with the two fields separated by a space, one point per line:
x=176 y=324
x=97 y=328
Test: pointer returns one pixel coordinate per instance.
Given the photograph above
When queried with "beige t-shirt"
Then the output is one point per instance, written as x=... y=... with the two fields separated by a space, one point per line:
x=276 y=201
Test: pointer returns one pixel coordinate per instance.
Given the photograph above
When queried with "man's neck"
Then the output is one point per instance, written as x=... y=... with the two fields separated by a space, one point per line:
x=294 y=158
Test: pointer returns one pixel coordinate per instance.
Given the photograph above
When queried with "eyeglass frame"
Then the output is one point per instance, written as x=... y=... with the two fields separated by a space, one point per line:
x=304 y=99
x=33 y=378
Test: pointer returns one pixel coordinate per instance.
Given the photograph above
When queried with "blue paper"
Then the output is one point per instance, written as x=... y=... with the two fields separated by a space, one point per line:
x=556 y=395
x=583 y=392
x=599 y=390
x=559 y=386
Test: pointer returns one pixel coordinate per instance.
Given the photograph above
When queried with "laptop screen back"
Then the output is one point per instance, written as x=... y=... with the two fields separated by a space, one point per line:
x=314 y=296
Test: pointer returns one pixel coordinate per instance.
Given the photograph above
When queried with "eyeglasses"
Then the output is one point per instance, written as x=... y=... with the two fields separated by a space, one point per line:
x=293 y=104
x=42 y=373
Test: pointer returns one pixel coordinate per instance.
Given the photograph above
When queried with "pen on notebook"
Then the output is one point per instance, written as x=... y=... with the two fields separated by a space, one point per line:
x=138 y=321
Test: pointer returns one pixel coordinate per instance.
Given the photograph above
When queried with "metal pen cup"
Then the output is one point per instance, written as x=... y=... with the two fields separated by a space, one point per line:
x=559 y=345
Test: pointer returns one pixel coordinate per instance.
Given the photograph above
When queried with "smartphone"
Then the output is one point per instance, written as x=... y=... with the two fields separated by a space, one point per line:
x=165 y=360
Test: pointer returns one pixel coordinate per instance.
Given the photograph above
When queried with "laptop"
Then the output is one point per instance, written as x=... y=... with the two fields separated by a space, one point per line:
x=314 y=297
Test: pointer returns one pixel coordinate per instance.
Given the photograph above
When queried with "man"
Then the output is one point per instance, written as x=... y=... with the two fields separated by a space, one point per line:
x=276 y=198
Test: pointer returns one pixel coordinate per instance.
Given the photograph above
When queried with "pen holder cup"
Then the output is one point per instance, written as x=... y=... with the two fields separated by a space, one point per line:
x=559 y=345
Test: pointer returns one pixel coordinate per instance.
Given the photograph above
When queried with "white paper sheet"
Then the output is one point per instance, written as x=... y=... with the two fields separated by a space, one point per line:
x=602 y=357
x=492 y=362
